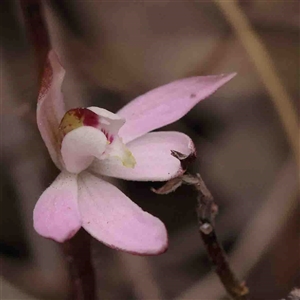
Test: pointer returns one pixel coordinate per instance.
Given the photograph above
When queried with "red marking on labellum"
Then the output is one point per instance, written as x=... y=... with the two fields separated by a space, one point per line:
x=88 y=117
x=77 y=117
x=110 y=138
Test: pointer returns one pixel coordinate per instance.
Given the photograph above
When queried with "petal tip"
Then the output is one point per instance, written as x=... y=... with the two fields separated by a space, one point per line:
x=54 y=234
x=159 y=243
x=229 y=76
x=56 y=215
x=57 y=237
x=161 y=250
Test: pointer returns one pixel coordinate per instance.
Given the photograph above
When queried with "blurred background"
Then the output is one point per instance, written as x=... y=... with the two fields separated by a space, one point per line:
x=114 y=51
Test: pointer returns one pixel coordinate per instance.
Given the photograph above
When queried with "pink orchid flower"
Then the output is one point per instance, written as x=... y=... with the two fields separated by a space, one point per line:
x=86 y=143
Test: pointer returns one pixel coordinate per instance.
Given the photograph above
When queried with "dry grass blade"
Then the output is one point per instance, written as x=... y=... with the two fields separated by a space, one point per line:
x=265 y=68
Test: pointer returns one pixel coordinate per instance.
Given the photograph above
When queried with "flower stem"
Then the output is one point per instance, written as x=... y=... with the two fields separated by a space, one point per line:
x=77 y=250
x=78 y=255
x=206 y=212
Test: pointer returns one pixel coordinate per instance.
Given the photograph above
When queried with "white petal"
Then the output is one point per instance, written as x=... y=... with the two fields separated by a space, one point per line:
x=152 y=153
x=106 y=113
x=80 y=146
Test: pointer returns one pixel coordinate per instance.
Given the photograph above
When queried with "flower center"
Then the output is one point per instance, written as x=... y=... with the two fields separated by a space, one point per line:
x=77 y=117
x=89 y=133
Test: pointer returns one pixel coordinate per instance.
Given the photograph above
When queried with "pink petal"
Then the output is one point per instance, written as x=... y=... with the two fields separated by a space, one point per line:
x=112 y=218
x=152 y=153
x=80 y=146
x=50 y=106
x=56 y=214
x=166 y=104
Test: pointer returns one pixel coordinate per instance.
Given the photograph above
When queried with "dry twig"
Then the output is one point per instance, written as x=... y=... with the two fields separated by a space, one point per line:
x=206 y=212
x=271 y=215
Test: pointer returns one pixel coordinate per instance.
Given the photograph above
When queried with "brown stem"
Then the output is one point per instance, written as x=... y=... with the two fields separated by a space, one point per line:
x=206 y=211
x=78 y=255
x=37 y=30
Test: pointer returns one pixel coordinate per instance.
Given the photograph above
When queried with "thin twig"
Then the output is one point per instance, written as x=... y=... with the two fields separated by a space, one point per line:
x=265 y=68
x=206 y=212
x=78 y=256
x=271 y=215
